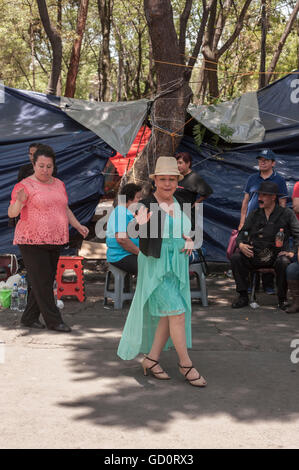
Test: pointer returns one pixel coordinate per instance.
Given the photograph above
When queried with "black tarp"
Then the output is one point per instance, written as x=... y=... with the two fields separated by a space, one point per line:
x=27 y=117
x=228 y=171
x=81 y=157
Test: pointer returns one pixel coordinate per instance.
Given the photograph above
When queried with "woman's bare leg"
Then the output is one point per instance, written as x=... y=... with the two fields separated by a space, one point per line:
x=160 y=339
x=178 y=336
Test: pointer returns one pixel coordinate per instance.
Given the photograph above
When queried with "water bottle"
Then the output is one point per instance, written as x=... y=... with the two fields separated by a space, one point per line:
x=22 y=293
x=279 y=238
x=14 y=303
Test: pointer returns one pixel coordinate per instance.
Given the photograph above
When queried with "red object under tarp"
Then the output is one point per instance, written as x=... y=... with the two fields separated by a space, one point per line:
x=123 y=164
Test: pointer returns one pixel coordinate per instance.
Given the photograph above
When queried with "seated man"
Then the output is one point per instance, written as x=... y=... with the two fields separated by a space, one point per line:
x=258 y=249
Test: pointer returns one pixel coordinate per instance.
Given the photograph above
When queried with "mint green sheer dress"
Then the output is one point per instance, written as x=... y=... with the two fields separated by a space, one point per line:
x=162 y=289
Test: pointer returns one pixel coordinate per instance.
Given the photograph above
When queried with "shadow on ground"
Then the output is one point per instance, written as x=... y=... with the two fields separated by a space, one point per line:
x=243 y=354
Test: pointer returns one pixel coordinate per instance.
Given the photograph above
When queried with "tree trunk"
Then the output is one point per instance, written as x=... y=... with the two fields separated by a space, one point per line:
x=120 y=53
x=32 y=52
x=105 y=8
x=202 y=84
x=150 y=85
x=56 y=45
x=183 y=27
x=211 y=61
x=203 y=74
x=281 y=43
x=212 y=37
x=137 y=91
x=70 y=86
x=262 y=78
x=173 y=94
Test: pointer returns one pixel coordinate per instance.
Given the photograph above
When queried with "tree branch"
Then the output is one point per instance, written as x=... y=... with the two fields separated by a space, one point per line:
x=281 y=43
x=237 y=30
x=183 y=27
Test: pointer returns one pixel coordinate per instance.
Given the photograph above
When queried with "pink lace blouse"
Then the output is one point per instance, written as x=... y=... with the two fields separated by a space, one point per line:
x=44 y=217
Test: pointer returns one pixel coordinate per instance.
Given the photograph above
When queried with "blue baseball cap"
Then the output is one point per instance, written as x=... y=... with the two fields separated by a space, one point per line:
x=267 y=153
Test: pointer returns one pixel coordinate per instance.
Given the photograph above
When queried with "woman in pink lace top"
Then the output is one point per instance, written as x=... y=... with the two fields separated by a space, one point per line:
x=42 y=229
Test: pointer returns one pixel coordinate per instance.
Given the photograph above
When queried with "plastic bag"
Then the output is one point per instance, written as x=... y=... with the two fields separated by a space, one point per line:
x=232 y=246
x=11 y=280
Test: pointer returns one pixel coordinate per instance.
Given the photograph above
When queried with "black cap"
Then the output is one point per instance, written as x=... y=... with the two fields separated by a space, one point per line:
x=268 y=154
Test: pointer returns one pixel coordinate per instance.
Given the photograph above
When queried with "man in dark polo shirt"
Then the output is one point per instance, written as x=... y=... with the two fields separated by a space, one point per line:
x=266 y=161
x=256 y=242
x=192 y=188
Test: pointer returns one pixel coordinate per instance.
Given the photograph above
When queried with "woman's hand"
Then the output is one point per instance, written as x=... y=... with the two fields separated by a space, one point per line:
x=83 y=230
x=76 y=224
x=189 y=245
x=14 y=210
x=21 y=196
x=143 y=216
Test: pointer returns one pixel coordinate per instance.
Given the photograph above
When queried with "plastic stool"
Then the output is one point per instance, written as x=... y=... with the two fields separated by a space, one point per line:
x=117 y=295
x=70 y=288
x=201 y=292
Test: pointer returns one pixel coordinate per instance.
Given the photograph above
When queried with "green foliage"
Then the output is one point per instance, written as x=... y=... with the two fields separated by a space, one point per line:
x=223 y=131
x=198 y=133
x=25 y=53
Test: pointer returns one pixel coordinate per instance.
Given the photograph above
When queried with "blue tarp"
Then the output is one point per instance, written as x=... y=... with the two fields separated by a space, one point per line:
x=228 y=171
x=27 y=117
x=81 y=157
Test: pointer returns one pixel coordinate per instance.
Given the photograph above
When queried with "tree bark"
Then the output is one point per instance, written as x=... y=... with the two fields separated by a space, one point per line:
x=120 y=53
x=105 y=8
x=183 y=27
x=262 y=78
x=56 y=45
x=173 y=91
x=210 y=49
x=205 y=15
x=150 y=84
x=281 y=43
x=70 y=86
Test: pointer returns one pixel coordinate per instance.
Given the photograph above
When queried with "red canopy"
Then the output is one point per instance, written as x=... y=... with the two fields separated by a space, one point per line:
x=123 y=164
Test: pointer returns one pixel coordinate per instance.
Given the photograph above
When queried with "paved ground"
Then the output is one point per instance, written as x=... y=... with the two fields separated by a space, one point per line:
x=72 y=391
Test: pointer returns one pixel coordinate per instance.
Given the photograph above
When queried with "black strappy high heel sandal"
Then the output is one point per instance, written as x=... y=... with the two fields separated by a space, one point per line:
x=203 y=382
x=157 y=375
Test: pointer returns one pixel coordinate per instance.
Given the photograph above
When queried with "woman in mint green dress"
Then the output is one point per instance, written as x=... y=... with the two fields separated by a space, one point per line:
x=160 y=313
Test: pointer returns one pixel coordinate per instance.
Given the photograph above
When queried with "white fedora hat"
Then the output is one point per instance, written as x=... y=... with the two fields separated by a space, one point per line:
x=166 y=166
